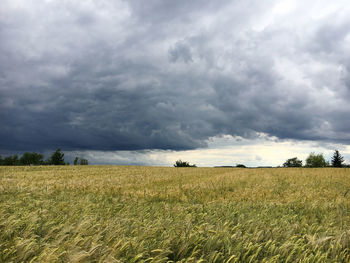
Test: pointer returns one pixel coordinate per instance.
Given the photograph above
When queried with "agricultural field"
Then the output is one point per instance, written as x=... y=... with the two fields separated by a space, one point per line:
x=159 y=214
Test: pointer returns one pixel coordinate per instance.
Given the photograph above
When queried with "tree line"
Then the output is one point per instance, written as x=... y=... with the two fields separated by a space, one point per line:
x=57 y=158
x=33 y=158
x=312 y=161
x=317 y=160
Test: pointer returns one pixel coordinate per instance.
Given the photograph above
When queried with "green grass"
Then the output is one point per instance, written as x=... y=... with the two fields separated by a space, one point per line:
x=153 y=214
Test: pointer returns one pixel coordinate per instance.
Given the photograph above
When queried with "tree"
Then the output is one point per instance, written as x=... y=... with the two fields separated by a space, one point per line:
x=38 y=158
x=180 y=163
x=8 y=160
x=1 y=160
x=57 y=158
x=315 y=160
x=337 y=159
x=241 y=166
x=11 y=160
x=83 y=161
x=26 y=159
x=293 y=162
x=31 y=158
x=76 y=161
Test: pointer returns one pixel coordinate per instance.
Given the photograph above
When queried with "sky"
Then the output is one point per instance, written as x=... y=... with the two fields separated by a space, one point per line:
x=149 y=82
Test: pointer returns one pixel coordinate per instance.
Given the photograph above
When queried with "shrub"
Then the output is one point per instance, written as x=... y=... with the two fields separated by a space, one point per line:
x=316 y=160
x=180 y=163
x=293 y=162
x=83 y=161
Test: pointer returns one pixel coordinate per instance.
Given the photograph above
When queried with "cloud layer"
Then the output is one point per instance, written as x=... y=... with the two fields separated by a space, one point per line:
x=135 y=75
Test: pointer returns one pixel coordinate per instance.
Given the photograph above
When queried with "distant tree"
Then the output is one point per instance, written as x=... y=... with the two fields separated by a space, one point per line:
x=57 y=158
x=83 y=161
x=31 y=159
x=38 y=158
x=26 y=159
x=180 y=163
x=293 y=162
x=76 y=161
x=8 y=160
x=241 y=166
x=1 y=160
x=16 y=160
x=316 y=160
x=11 y=160
x=337 y=159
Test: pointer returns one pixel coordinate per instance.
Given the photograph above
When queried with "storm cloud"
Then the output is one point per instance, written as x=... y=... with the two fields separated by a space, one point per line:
x=137 y=75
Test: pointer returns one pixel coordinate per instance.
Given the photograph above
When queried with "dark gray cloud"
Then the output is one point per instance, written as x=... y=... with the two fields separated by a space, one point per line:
x=180 y=52
x=119 y=75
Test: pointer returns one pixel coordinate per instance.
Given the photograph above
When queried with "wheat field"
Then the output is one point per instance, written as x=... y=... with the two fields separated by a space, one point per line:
x=159 y=214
